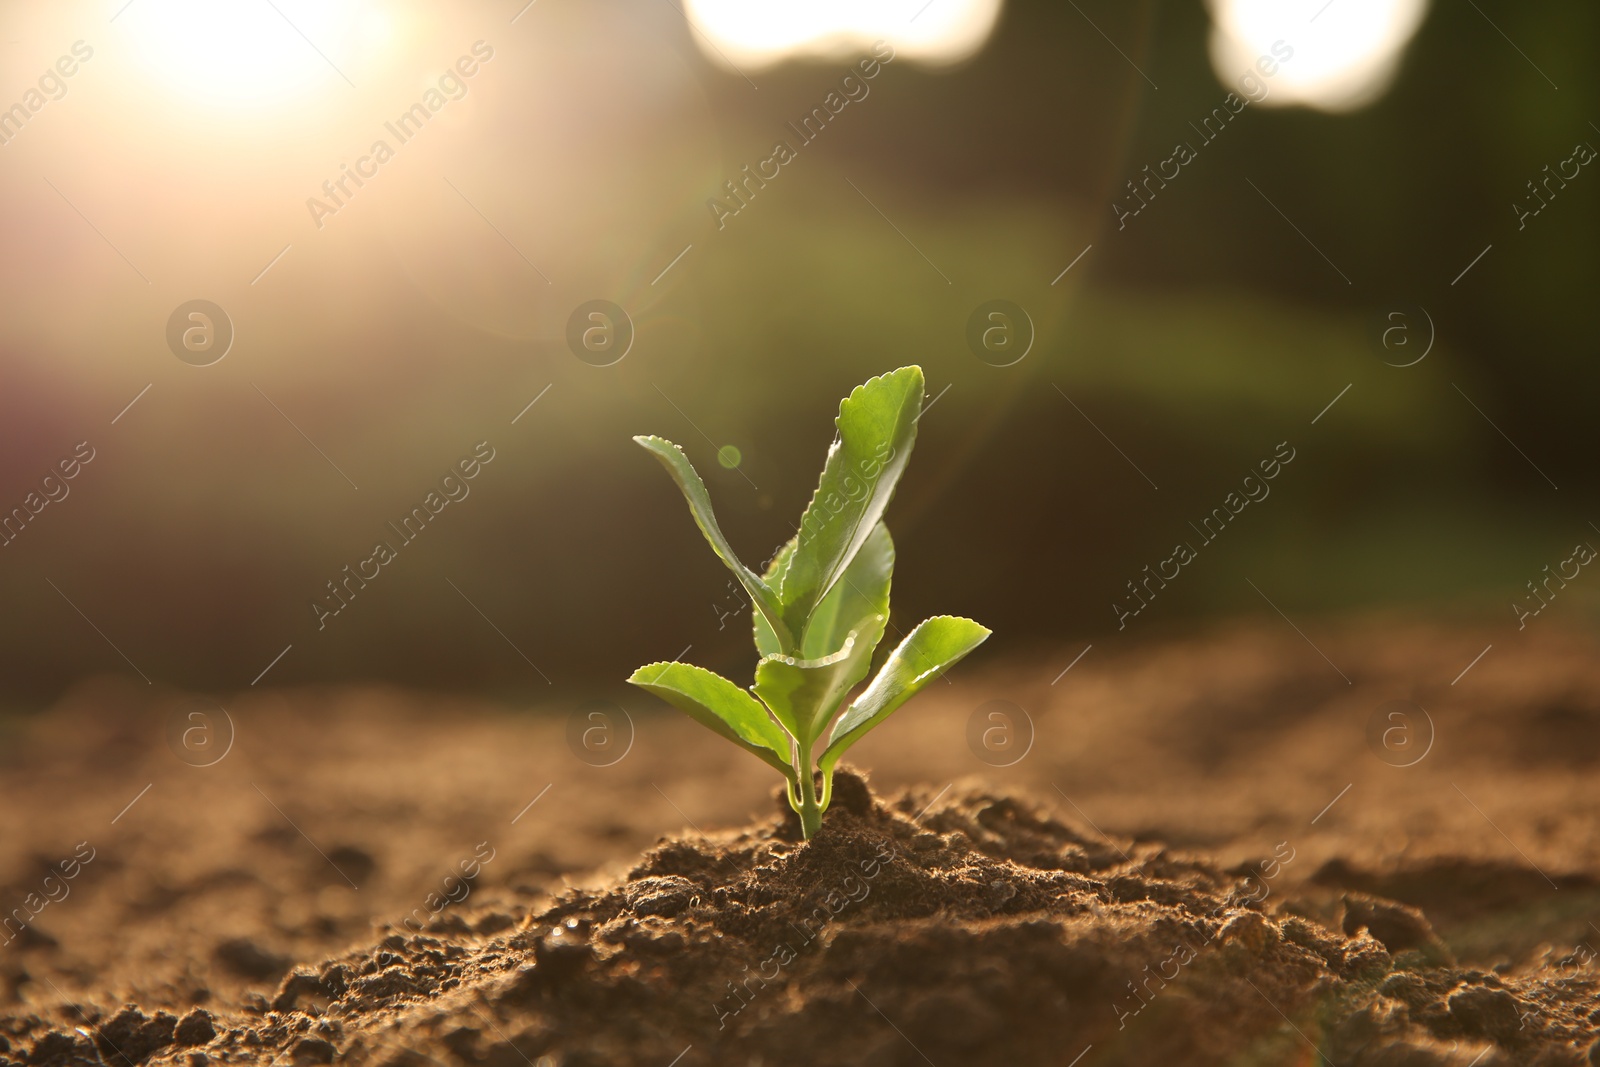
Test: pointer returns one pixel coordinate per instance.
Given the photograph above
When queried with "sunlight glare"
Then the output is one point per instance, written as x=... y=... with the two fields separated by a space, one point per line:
x=250 y=52
x=752 y=34
x=1346 y=52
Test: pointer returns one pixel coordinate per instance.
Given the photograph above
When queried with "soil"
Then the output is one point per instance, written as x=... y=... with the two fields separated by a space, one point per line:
x=1203 y=857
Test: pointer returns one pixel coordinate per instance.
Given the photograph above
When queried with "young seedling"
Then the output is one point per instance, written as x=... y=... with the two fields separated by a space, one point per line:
x=820 y=608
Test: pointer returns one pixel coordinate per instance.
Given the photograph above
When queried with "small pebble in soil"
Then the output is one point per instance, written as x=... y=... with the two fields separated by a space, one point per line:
x=195 y=1028
x=312 y=1050
x=665 y=895
x=1488 y=1012
x=1399 y=926
x=1249 y=929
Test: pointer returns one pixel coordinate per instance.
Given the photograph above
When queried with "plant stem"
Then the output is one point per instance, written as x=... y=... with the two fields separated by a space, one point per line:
x=810 y=810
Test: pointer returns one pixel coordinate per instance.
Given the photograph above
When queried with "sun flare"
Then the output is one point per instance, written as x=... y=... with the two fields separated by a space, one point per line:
x=249 y=53
x=754 y=35
x=1346 y=52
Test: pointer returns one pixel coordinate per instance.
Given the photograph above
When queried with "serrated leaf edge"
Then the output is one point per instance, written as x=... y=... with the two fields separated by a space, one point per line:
x=838 y=442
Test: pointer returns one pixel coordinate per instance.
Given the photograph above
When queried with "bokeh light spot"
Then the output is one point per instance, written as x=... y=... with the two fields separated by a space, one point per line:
x=1345 y=53
x=754 y=35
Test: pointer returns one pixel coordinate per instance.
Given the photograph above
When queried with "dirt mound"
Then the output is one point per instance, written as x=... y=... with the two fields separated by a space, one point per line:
x=959 y=927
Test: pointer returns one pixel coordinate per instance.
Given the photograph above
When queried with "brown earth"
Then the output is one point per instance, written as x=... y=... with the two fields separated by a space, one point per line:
x=1208 y=855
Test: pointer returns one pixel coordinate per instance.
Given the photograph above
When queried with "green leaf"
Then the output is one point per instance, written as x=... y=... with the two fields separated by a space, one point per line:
x=859 y=596
x=767 y=641
x=713 y=701
x=935 y=646
x=694 y=490
x=877 y=426
x=805 y=694
x=779 y=563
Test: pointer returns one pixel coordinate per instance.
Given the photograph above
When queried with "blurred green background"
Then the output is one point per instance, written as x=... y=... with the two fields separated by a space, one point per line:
x=1196 y=339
